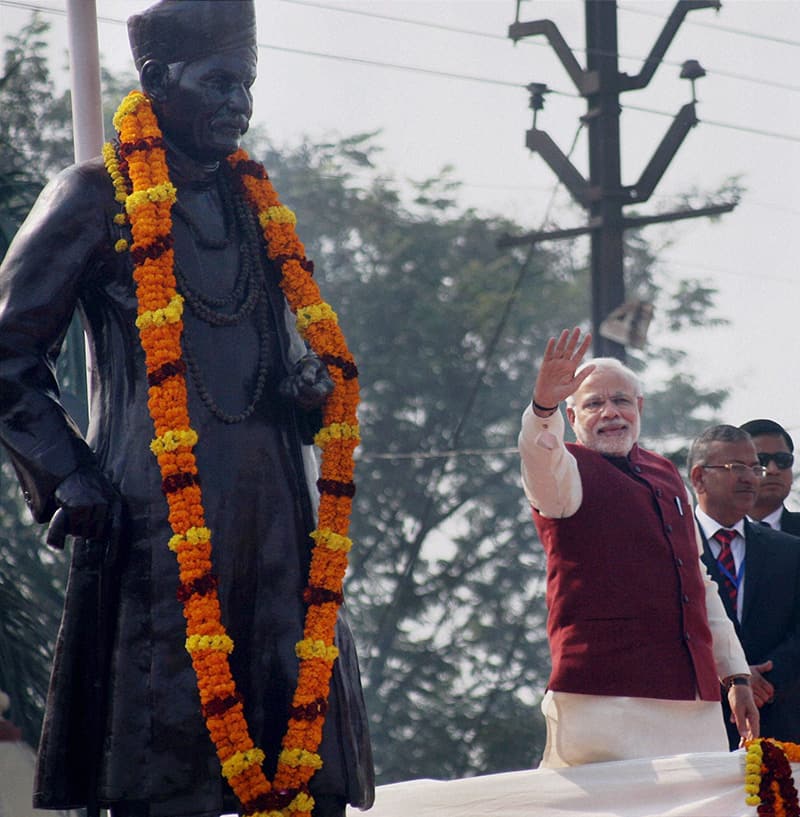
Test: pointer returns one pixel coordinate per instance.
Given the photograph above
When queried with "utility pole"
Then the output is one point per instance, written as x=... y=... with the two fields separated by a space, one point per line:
x=604 y=196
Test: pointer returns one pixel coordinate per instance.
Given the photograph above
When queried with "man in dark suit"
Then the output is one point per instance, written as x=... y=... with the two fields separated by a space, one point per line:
x=757 y=571
x=776 y=453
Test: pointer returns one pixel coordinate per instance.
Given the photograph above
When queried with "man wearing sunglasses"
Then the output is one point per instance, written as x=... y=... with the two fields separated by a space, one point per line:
x=775 y=452
x=757 y=571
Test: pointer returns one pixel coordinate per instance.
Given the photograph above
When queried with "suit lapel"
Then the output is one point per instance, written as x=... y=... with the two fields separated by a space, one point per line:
x=754 y=558
x=714 y=571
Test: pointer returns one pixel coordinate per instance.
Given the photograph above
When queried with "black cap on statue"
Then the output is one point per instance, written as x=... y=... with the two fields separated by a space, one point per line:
x=184 y=30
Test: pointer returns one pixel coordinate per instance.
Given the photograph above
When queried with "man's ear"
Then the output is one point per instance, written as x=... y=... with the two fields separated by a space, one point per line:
x=571 y=415
x=696 y=478
x=154 y=77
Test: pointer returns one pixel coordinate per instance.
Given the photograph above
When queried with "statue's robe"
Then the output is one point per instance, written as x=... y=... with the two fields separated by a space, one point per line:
x=257 y=481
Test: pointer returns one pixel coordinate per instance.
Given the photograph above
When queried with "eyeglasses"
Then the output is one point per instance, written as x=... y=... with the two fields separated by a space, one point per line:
x=739 y=469
x=783 y=459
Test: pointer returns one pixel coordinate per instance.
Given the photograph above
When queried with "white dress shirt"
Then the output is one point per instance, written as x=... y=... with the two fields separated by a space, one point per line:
x=710 y=527
x=772 y=519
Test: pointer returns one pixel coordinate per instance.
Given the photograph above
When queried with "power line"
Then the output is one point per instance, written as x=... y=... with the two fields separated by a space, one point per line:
x=533 y=42
x=393 y=65
x=432 y=455
x=671 y=260
x=785 y=86
x=790 y=137
x=442 y=74
x=725 y=29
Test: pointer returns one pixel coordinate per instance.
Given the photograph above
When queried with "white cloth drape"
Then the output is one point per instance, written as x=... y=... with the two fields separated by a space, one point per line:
x=707 y=784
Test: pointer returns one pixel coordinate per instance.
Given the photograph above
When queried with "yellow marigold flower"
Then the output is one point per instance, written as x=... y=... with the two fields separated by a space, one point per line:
x=303 y=802
x=316 y=649
x=313 y=314
x=121 y=245
x=336 y=431
x=240 y=761
x=128 y=106
x=171 y=313
x=300 y=757
x=171 y=440
x=279 y=214
x=197 y=535
x=218 y=643
x=331 y=540
x=159 y=192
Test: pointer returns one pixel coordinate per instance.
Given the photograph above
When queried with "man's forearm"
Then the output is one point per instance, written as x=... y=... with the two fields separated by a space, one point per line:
x=550 y=475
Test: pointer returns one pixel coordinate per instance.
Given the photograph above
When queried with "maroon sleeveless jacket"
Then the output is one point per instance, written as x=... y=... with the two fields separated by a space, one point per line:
x=625 y=596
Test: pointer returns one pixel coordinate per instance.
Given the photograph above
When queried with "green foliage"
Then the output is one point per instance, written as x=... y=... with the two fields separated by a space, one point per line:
x=34 y=141
x=33 y=138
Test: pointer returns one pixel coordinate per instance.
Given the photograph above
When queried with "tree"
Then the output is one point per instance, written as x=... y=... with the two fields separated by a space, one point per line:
x=35 y=140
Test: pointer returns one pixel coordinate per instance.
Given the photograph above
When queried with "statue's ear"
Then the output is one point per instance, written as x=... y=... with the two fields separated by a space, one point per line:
x=154 y=76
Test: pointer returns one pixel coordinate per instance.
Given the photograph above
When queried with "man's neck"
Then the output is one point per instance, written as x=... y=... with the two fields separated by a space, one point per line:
x=760 y=511
x=715 y=520
x=183 y=169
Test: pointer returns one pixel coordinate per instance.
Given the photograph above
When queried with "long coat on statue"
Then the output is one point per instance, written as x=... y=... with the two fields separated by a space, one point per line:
x=140 y=714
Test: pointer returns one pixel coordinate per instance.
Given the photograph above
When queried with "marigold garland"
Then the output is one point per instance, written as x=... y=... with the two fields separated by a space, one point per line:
x=769 y=784
x=139 y=174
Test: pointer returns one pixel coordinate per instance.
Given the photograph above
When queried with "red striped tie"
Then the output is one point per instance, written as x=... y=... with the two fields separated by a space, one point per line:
x=726 y=563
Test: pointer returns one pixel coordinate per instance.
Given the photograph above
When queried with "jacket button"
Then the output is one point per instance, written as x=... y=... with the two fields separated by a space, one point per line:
x=668 y=528
x=679 y=562
x=685 y=598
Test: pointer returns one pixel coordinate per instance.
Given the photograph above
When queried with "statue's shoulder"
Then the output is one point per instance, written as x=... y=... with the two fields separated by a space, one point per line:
x=87 y=180
x=80 y=194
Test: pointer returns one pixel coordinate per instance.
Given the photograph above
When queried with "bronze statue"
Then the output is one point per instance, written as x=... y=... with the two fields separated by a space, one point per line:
x=133 y=715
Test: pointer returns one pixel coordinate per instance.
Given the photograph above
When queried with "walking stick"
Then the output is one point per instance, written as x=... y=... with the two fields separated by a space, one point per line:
x=104 y=563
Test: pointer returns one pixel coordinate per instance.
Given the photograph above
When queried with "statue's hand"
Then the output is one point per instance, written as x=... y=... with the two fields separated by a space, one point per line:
x=309 y=385
x=86 y=504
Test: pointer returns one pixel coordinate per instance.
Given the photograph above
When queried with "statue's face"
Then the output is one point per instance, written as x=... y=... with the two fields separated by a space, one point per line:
x=207 y=107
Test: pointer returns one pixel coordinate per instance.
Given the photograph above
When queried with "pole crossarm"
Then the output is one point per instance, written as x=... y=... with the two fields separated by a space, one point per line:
x=585 y=81
x=506 y=241
x=683 y=122
x=653 y=60
x=538 y=141
x=677 y=215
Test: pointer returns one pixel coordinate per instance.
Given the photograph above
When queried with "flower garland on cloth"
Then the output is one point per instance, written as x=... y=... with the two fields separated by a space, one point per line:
x=768 y=777
x=140 y=176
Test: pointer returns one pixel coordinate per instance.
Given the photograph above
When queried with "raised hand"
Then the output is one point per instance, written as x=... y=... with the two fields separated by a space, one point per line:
x=557 y=379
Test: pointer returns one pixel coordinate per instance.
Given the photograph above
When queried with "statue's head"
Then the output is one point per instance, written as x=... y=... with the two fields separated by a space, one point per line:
x=196 y=61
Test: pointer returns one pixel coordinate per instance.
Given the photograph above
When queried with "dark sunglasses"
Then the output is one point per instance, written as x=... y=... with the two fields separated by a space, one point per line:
x=782 y=459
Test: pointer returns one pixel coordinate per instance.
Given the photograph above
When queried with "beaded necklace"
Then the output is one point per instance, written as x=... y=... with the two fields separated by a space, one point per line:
x=139 y=173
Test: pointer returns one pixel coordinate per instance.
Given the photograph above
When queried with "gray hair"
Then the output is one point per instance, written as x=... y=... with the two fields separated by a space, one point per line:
x=698 y=453
x=610 y=364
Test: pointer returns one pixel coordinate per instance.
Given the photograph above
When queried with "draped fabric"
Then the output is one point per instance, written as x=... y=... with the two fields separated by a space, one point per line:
x=693 y=785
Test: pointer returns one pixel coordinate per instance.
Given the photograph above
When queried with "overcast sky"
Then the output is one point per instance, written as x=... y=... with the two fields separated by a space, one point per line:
x=446 y=86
